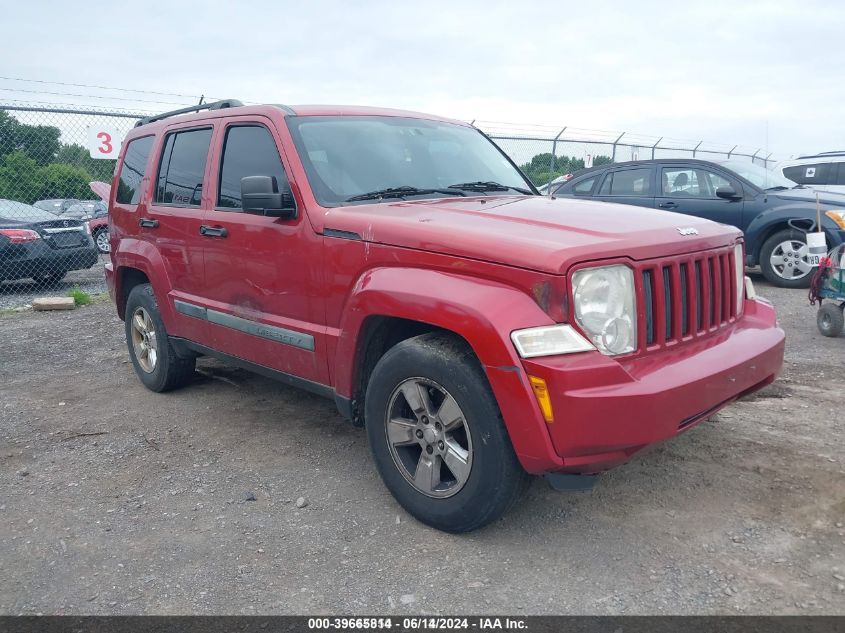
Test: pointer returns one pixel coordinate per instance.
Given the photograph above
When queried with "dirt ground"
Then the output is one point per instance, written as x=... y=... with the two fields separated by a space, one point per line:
x=115 y=500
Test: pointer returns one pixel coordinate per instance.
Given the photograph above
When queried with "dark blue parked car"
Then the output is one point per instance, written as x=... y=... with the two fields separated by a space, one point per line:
x=747 y=196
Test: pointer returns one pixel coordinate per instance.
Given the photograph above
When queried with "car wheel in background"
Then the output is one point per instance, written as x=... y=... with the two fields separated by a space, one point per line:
x=157 y=364
x=437 y=435
x=830 y=319
x=51 y=278
x=783 y=260
x=101 y=239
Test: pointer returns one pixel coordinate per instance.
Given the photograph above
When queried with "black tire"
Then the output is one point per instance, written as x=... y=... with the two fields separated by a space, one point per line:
x=495 y=480
x=51 y=278
x=769 y=272
x=105 y=248
x=830 y=319
x=170 y=370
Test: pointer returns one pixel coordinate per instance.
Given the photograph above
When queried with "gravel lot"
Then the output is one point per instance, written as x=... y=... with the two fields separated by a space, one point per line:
x=117 y=500
x=19 y=294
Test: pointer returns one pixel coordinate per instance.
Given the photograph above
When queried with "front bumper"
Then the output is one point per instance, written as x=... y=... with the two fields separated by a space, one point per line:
x=19 y=261
x=605 y=410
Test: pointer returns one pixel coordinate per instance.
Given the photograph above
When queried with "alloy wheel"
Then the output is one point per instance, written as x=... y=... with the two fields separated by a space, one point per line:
x=144 y=340
x=102 y=240
x=428 y=437
x=789 y=260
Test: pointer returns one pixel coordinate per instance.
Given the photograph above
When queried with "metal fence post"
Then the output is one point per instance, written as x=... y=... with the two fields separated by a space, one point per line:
x=732 y=151
x=554 y=146
x=654 y=147
x=613 y=157
x=695 y=149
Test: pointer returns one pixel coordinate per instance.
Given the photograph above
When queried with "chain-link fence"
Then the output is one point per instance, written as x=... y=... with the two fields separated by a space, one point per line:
x=54 y=230
x=544 y=153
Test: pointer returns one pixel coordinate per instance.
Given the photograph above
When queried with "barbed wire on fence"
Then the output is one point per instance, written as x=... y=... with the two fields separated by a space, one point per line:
x=546 y=152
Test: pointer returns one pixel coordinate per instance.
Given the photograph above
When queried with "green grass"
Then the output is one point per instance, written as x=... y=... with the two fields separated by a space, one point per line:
x=80 y=297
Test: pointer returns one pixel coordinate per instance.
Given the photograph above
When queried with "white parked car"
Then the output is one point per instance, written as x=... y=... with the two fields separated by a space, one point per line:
x=825 y=171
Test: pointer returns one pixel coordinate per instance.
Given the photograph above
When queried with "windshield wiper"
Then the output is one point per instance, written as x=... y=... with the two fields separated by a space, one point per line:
x=401 y=192
x=487 y=185
x=778 y=188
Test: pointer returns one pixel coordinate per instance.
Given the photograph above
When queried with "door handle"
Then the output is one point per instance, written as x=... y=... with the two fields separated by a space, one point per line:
x=148 y=224
x=668 y=205
x=213 y=231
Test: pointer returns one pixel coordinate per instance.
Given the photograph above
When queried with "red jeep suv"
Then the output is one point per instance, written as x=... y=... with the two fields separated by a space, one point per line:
x=400 y=264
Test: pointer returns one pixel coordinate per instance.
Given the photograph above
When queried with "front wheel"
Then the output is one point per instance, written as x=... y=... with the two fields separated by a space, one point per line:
x=437 y=435
x=783 y=259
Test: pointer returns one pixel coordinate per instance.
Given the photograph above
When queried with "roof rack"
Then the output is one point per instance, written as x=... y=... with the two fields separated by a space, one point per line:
x=820 y=154
x=215 y=105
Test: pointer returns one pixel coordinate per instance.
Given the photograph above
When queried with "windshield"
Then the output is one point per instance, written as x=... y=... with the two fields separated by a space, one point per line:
x=20 y=212
x=756 y=175
x=351 y=156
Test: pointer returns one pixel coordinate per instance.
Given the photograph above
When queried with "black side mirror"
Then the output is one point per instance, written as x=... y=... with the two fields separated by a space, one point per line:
x=260 y=195
x=727 y=192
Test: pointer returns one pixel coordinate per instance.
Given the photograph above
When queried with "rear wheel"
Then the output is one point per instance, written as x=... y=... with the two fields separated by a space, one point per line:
x=51 y=278
x=157 y=364
x=437 y=435
x=830 y=319
x=101 y=239
x=783 y=259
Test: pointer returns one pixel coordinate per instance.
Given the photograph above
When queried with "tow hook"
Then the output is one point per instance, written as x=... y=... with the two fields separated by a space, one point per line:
x=571 y=483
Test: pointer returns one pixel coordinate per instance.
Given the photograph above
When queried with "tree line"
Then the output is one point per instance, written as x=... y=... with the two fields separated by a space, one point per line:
x=36 y=165
x=543 y=168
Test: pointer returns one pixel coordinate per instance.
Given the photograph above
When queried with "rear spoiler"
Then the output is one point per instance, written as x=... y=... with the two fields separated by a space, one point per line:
x=102 y=189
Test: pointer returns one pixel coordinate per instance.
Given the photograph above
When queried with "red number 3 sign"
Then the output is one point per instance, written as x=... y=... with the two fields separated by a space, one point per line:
x=106 y=146
x=103 y=142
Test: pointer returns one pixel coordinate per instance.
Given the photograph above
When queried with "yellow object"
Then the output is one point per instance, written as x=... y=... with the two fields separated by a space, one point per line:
x=541 y=392
x=838 y=217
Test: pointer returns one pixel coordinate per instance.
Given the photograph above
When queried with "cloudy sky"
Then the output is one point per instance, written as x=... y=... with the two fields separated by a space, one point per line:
x=760 y=74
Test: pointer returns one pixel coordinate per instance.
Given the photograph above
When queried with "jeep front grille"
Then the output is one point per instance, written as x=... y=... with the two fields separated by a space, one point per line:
x=685 y=297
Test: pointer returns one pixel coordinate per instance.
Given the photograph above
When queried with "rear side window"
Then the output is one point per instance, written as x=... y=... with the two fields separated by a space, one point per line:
x=182 y=167
x=815 y=174
x=133 y=169
x=630 y=182
x=585 y=187
x=249 y=150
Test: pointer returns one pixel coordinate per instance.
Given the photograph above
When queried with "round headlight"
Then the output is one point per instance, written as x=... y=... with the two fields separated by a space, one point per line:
x=605 y=307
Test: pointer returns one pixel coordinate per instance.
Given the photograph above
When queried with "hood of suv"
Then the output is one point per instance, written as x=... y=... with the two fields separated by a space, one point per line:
x=531 y=232
x=808 y=195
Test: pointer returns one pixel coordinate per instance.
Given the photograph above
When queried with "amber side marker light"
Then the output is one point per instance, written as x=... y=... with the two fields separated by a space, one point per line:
x=541 y=392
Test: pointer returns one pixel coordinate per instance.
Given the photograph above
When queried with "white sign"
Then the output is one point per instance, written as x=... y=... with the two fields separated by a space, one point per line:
x=104 y=142
x=588 y=161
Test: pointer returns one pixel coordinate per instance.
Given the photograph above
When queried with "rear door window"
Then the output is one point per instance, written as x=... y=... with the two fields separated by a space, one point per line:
x=628 y=182
x=182 y=168
x=811 y=174
x=133 y=169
